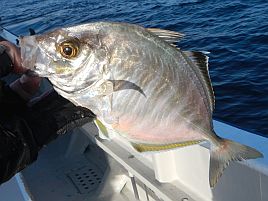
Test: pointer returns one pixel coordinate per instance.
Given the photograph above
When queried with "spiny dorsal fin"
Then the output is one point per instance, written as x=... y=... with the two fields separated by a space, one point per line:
x=169 y=36
x=201 y=61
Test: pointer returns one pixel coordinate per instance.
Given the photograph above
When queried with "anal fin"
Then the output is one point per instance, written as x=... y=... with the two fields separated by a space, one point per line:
x=159 y=147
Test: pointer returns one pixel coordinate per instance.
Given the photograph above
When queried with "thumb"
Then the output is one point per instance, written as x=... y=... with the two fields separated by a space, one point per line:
x=26 y=86
x=15 y=56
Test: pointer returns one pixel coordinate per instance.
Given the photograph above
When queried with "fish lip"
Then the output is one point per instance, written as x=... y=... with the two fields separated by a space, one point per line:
x=29 y=49
x=40 y=72
x=31 y=73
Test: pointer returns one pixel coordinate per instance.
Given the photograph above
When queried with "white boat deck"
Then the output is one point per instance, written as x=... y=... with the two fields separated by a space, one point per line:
x=75 y=168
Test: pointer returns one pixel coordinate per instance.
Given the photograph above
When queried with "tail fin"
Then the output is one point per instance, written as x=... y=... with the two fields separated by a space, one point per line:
x=227 y=151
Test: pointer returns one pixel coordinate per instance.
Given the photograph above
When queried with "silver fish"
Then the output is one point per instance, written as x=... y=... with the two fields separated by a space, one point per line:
x=138 y=83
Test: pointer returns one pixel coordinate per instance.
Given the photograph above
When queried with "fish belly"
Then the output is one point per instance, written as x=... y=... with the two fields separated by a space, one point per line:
x=143 y=131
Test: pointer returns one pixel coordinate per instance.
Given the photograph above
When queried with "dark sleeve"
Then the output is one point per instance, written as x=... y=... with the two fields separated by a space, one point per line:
x=25 y=130
x=17 y=149
x=17 y=144
x=53 y=115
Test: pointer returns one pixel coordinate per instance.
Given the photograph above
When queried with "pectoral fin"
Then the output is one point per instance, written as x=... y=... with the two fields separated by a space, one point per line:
x=160 y=147
x=124 y=84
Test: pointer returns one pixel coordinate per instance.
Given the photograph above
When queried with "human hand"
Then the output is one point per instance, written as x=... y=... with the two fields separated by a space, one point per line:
x=15 y=57
x=27 y=85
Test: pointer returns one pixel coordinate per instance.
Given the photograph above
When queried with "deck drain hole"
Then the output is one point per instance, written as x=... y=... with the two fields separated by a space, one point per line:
x=86 y=179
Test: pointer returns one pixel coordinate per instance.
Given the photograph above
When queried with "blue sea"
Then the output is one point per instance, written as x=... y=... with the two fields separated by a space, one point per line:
x=234 y=32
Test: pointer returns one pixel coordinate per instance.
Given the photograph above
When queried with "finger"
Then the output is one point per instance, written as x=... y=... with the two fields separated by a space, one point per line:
x=30 y=83
x=14 y=54
x=26 y=86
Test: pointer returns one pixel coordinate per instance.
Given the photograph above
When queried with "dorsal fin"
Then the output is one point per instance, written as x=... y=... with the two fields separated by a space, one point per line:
x=201 y=61
x=169 y=36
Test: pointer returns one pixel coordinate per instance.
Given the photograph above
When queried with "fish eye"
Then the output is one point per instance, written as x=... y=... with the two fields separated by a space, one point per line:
x=68 y=49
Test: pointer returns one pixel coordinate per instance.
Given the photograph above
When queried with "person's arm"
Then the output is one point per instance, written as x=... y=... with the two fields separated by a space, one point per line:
x=25 y=130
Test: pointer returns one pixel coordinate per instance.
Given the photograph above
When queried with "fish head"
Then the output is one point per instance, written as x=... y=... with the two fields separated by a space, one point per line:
x=71 y=58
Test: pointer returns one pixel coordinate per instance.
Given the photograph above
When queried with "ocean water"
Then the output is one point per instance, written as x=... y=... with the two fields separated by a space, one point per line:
x=234 y=32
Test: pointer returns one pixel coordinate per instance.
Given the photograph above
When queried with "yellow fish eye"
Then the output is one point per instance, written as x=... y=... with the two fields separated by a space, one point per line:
x=68 y=49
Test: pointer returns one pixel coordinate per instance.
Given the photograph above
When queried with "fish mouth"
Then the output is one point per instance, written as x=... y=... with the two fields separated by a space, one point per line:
x=32 y=73
x=29 y=49
x=40 y=70
x=32 y=58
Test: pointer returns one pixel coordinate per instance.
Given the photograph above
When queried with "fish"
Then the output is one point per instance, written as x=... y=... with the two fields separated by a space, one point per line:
x=139 y=83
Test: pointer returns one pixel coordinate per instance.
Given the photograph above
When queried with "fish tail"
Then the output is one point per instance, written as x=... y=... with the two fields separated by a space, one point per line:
x=225 y=151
